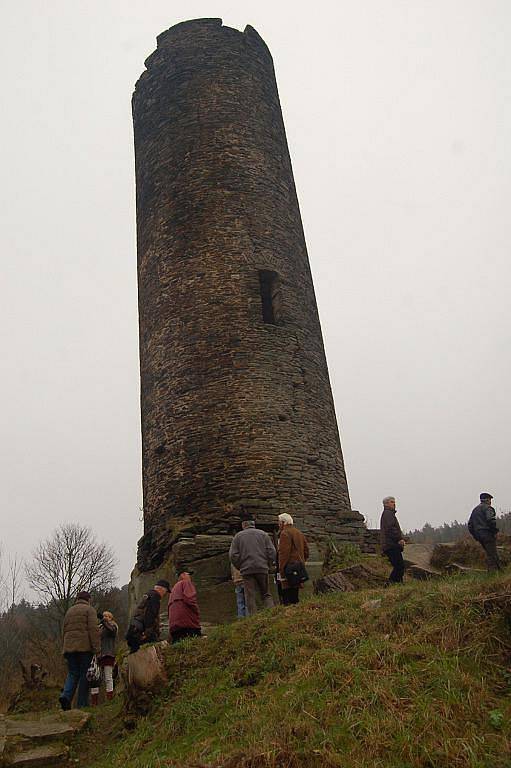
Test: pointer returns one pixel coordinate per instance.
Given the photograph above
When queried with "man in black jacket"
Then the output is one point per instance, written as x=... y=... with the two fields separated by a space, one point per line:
x=392 y=539
x=145 y=623
x=483 y=527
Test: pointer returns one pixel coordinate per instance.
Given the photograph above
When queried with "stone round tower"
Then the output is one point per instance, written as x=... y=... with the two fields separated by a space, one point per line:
x=237 y=410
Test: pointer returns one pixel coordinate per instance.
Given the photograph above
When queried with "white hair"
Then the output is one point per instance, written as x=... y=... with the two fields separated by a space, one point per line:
x=388 y=498
x=286 y=519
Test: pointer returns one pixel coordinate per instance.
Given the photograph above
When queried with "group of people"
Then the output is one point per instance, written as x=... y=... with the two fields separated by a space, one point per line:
x=482 y=526
x=183 y=613
x=90 y=638
x=87 y=637
x=253 y=555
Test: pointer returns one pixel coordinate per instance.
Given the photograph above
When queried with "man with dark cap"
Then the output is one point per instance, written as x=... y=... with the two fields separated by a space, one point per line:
x=482 y=526
x=392 y=540
x=81 y=640
x=145 y=623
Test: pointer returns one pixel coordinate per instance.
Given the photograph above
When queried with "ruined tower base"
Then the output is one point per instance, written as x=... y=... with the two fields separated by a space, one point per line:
x=207 y=556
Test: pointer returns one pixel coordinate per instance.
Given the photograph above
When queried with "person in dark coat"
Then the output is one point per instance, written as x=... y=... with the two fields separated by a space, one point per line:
x=392 y=540
x=482 y=525
x=145 y=623
x=81 y=641
x=184 y=617
x=293 y=548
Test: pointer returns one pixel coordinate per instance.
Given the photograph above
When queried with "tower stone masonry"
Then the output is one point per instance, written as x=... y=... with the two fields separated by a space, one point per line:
x=237 y=411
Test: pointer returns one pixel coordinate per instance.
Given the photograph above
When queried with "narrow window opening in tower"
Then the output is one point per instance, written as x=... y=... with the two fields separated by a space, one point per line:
x=271 y=296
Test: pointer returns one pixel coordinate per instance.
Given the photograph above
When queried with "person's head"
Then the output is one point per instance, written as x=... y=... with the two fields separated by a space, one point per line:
x=162 y=587
x=83 y=596
x=108 y=615
x=285 y=519
x=389 y=502
x=185 y=576
x=485 y=498
x=247 y=524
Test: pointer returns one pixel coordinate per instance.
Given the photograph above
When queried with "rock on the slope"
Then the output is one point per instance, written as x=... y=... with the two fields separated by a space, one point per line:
x=348 y=580
x=145 y=669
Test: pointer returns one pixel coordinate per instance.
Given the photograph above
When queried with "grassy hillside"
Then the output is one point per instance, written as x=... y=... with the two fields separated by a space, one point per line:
x=420 y=679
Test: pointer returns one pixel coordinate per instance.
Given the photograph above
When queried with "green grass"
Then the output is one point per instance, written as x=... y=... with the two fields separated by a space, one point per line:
x=420 y=681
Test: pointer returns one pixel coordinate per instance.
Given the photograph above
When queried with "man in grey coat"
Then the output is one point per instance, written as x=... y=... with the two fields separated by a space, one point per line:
x=253 y=554
x=482 y=526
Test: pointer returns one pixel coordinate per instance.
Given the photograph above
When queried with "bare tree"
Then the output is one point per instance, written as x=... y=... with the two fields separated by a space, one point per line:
x=69 y=561
x=14 y=579
x=3 y=583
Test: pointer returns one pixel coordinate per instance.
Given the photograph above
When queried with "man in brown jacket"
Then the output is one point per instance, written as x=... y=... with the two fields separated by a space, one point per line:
x=81 y=643
x=392 y=539
x=293 y=551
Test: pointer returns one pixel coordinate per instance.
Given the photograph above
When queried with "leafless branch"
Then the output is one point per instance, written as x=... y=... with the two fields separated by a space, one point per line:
x=69 y=561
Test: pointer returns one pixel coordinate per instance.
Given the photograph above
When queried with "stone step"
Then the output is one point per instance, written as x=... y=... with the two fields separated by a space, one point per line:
x=30 y=739
x=45 y=727
x=40 y=757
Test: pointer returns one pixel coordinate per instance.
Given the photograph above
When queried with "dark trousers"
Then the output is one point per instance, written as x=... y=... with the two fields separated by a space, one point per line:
x=395 y=555
x=252 y=584
x=182 y=632
x=78 y=663
x=489 y=544
x=290 y=596
x=133 y=639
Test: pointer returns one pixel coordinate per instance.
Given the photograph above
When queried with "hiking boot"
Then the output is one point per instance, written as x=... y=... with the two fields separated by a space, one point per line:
x=64 y=703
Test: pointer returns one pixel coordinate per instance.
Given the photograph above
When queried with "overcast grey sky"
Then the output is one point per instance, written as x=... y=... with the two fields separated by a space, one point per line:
x=398 y=117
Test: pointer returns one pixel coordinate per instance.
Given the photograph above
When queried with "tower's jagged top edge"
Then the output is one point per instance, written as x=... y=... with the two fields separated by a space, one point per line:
x=165 y=39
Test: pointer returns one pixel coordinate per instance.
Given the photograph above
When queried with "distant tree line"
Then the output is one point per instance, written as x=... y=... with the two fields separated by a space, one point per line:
x=446 y=532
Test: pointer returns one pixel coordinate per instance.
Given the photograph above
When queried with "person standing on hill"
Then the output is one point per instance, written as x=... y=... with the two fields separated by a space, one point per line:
x=81 y=641
x=293 y=554
x=482 y=525
x=145 y=623
x=239 y=591
x=392 y=540
x=184 y=617
x=253 y=554
x=109 y=630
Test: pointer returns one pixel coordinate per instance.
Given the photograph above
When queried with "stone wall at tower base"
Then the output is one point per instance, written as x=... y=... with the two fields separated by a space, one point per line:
x=207 y=556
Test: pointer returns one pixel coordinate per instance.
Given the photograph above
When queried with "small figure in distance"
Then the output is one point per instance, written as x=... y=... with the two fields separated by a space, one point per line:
x=392 y=540
x=293 y=554
x=184 y=617
x=482 y=526
x=145 y=623
x=81 y=643
x=253 y=554
x=109 y=630
x=239 y=591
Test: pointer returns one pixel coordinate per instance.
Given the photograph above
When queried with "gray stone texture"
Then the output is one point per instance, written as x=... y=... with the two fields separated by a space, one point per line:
x=237 y=413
